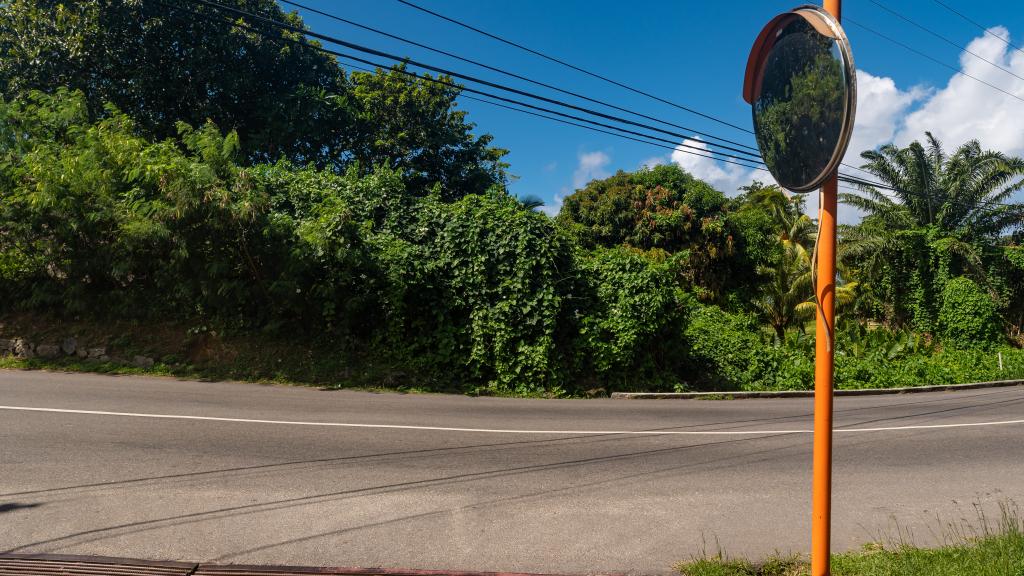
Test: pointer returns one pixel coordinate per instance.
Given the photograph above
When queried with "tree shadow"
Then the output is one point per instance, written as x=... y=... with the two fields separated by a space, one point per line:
x=275 y=505
x=12 y=506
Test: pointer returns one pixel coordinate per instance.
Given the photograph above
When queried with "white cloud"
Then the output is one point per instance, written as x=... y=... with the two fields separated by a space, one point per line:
x=654 y=161
x=721 y=175
x=555 y=206
x=881 y=108
x=965 y=109
x=591 y=166
x=962 y=110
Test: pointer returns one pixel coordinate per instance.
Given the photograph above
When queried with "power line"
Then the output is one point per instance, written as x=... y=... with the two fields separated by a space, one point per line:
x=944 y=39
x=929 y=57
x=505 y=72
x=842 y=177
x=979 y=26
x=511 y=74
x=284 y=26
x=666 y=146
x=573 y=66
x=454 y=74
x=756 y=158
x=586 y=127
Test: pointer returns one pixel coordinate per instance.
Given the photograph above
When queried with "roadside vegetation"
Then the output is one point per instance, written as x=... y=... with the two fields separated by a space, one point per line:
x=983 y=550
x=357 y=226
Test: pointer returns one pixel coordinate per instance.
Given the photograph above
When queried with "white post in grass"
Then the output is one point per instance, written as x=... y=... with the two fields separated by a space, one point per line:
x=1000 y=361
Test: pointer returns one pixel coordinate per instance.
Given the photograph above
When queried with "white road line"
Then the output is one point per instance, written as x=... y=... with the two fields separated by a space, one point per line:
x=504 y=431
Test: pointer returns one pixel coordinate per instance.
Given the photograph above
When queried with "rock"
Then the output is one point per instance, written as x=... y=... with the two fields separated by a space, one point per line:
x=47 y=350
x=22 y=349
x=103 y=358
x=82 y=352
x=142 y=362
x=6 y=346
x=97 y=352
x=69 y=346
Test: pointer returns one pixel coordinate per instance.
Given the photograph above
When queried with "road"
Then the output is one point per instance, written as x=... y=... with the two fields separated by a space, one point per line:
x=242 y=473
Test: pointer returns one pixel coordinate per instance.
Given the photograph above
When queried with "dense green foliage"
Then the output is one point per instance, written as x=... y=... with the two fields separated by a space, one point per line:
x=664 y=209
x=158 y=166
x=161 y=65
x=629 y=311
x=968 y=316
x=949 y=218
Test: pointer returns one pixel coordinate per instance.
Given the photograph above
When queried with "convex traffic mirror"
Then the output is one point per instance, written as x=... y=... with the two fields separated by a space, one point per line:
x=802 y=88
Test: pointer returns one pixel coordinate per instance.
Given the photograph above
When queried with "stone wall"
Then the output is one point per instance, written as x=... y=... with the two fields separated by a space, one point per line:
x=68 y=347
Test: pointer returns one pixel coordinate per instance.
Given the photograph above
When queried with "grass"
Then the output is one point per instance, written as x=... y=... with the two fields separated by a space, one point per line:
x=982 y=550
x=190 y=372
x=206 y=352
x=715 y=397
x=202 y=353
x=197 y=350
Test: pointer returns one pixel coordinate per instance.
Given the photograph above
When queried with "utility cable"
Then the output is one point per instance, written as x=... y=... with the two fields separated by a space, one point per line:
x=573 y=66
x=511 y=74
x=979 y=26
x=930 y=57
x=814 y=274
x=382 y=54
x=945 y=39
x=504 y=72
x=659 y=145
x=676 y=146
x=756 y=158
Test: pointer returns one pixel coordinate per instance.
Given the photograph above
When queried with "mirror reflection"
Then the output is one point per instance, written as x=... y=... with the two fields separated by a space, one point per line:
x=798 y=115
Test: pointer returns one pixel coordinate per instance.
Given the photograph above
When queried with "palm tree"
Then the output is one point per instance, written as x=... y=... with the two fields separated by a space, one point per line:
x=531 y=202
x=787 y=288
x=787 y=296
x=943 y=219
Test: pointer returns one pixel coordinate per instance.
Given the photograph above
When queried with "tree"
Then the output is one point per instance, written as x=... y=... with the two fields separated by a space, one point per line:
x=163 y=65
x=413 y=125
x=661 y=208
x=191 y=63
x=946 y=218
x=786 y=295
x=787 y=288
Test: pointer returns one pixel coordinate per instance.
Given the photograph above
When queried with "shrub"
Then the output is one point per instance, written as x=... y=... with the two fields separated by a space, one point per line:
x=967 y=317
x=498 y=268
x=723 y=348
x=631 y=315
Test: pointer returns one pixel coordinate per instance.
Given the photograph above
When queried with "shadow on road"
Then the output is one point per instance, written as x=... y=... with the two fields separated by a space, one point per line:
x=12 y=506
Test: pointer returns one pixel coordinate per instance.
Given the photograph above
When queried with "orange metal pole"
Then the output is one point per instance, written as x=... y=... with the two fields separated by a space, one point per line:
x=821 y=495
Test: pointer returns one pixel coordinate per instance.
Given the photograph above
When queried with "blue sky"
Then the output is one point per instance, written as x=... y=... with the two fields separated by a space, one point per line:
x=694 y=53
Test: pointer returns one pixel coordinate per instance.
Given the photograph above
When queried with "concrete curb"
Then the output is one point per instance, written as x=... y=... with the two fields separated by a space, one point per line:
x=726 y=395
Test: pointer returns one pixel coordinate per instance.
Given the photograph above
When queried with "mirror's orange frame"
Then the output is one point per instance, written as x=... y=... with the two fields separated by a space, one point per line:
x=763 y=45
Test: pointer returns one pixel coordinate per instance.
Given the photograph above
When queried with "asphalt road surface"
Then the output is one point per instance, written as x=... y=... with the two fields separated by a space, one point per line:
x=242 y=473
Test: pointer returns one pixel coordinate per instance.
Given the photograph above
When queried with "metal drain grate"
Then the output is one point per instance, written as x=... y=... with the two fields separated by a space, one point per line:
x=238 y=570
x=53 y=565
